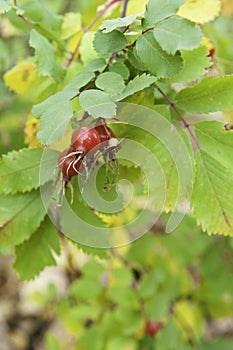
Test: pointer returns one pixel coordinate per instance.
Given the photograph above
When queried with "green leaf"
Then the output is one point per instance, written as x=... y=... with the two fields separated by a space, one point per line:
x=110 y=24
x=4 y=7
x=212 y=195
x=158 y=306
x=96 y=64
x=21 y=215
x=197 y=60
x=120 y=68
x=137 y=84
x=46 y=63
x=56 y=111
x=210 y=95
x=80 y=287
x=72 y=23
x=177 y=33
x=110 y=82
x=156 y=10
x=106 y=44
x=216 y=141
x=157 y=61
x=101 y=253
x=19 y=170
x=97 y=103
x=86 y=50
x=34 y=255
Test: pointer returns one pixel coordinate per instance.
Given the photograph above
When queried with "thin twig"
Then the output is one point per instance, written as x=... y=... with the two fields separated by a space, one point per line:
x=125 y=8
x=88 y=28
x=24 y=19
x=186 y=125
x=92 y=82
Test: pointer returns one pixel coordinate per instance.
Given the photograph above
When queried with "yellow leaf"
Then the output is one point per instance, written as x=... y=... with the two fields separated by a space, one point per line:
x=189 y=318
x=227 y=7
x=31 y=129
x=200 y=11
x=135 y=7
x=72 y=23
x=20 y=76
x=229 y=116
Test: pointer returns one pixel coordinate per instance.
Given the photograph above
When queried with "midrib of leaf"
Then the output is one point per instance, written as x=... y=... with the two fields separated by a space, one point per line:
x=27 y=168
x=153 y=48
x=18 y=213
x=213 y=139
x=215 y=194
x=203 y=95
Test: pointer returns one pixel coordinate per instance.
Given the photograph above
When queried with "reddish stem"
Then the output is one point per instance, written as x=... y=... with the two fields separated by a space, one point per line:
x=88 y=28
x=186 y=125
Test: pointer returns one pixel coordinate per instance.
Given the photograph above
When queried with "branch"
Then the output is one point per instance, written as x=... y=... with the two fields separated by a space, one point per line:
x=24 y=19
x=110 y=61
x=125 y=8
x=186 y=125
x=107 y=6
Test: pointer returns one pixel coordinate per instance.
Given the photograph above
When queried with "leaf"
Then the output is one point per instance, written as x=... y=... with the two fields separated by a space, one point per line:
x=110 y=82
x=72 y=23
x=97 y=103
x=198 y=60
x=56 y=111
x=21 y=216
x=19 y=170
x=19 y=78
x=156 y=10
x=46 y=63
x=107 y=43
x=120 y=68
x=216 y=141
x=212 y=195
x=177 y=33
x=96 y=64
x=100 y=252
x=157 y=61
x=210 y=95
x=200 y=11
x=139 y=83
x=4 y=7
x=110 y=24
x=35 y=254
x=87 y=52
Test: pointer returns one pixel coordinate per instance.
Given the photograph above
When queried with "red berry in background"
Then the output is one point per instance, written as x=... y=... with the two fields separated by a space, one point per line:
x=105 y=133
x=153 y=328
x=211 y=52
x=84 y=139
x=68 y=165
